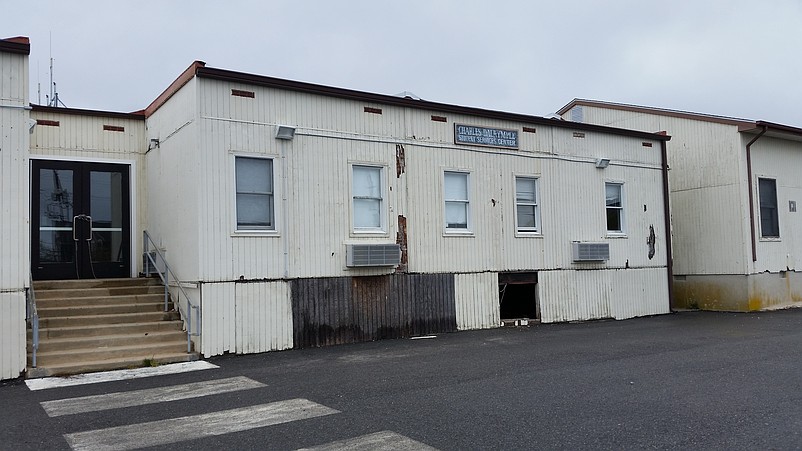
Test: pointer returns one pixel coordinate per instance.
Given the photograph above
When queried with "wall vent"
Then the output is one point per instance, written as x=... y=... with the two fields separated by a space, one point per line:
x=590 y=252
x=372 y=255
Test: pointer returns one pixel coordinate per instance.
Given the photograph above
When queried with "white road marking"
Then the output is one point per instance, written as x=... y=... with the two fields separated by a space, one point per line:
x=118 y=375
x=196 y=426
x=424 y=337
x=107 y=401
x=380 y=441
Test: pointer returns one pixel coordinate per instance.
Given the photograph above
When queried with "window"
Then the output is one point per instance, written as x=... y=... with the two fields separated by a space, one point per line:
x=613 y=194
x=526 y=204
x=769 y=222
x=254 y=178
x=367 y=198
x=456 y=200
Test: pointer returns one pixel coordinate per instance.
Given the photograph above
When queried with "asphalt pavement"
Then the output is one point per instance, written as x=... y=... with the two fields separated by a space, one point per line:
x=690 y=380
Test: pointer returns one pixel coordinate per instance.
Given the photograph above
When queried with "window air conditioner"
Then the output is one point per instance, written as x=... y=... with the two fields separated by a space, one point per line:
x=372 y=255
x=590 y=252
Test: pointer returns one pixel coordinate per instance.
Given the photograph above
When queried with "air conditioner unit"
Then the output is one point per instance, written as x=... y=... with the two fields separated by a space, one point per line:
x=590 y=252
x=372 y=255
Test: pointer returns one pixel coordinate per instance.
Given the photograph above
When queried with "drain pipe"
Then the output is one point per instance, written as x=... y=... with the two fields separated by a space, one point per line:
x=751 y=196
x=667 y=223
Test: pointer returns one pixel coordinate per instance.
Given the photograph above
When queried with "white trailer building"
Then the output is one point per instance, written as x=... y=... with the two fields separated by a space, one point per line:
x=734 y=184
x=299 y=215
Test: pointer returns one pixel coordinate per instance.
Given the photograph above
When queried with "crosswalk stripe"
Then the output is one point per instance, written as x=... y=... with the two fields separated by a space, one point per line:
x=107 y=401
x=379 y=441
x=117 y=375
x=196 y=426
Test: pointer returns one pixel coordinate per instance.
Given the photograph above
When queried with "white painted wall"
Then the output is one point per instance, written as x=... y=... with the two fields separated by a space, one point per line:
x=710 y=216
x=14 y=201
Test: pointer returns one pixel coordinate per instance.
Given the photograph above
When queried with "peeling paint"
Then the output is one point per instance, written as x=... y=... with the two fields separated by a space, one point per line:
x=651 y=240
x=400 y=160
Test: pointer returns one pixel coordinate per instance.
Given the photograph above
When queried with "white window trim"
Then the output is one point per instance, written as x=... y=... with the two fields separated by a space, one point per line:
x=382 y=231
x=616 y=233
x=468 y=231
x=274 y=232
x=528 y=233
x=758 y=213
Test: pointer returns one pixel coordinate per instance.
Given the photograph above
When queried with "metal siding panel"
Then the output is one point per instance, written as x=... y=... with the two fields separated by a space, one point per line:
x=781 y=160
x=477 y=303
x=12 y=335
x=329 y=311
x=218 y=318
x=262 y=320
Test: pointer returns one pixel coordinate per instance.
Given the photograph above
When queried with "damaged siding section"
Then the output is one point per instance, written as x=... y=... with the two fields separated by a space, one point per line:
x=336 y=310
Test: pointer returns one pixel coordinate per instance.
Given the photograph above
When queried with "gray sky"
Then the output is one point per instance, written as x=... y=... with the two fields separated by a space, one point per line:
x=726 y=57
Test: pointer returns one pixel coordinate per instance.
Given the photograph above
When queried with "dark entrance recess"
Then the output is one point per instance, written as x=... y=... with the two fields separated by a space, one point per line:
x=80 y=220
x=518 y=295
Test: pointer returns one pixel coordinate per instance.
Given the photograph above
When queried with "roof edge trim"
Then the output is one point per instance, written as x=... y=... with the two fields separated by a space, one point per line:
x=657 y=111
x=271 y=82
x=20 y=45
x=174 y=87
x=139 y=115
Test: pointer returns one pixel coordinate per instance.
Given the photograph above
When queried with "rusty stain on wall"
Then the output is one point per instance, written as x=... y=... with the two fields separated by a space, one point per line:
x=401 y=240
x=336 y=310
x=400 y=161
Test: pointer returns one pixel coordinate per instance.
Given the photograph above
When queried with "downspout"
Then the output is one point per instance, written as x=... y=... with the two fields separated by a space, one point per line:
x=751 y=196
x=667 y=223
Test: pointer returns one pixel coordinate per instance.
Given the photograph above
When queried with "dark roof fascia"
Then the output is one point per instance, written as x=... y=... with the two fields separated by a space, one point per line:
x=656 y=111
x=310 y=88
x=94 y=113
x=175 y=86
x=20 y=46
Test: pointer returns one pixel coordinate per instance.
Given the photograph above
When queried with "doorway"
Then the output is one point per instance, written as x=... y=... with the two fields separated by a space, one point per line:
x=80 y=220
x=518 y=302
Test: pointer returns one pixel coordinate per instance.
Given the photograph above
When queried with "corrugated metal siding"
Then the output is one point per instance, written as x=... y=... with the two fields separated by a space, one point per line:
x=708 y=189
x=617 y=293
x=173 y=182
x=14 y=254
x=12 y=335
x=477 y=301
x=329 y=311
x=219 y=318
x=780 y=160
x=263 y=316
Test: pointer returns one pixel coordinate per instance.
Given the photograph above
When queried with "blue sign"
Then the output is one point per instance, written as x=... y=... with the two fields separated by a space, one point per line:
x=483 y=136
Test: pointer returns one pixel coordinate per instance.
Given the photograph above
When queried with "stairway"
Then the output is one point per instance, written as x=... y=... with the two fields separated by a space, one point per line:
x=104 y=324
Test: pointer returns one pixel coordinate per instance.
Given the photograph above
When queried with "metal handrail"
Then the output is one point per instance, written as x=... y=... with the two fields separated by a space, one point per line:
x=32 y=315
x=165 y=276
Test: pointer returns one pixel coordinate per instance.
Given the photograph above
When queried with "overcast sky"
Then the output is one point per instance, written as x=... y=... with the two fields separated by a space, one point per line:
x=727 y=57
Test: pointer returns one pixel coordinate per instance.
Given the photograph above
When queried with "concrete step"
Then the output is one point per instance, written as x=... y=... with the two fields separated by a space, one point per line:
x=96 y=292
x=130 y=361
x=74 y=356
x=99 y=342
x=108 y=329
x=99 y=320
x=86 y=310
x=94 y=283
x=100 y=300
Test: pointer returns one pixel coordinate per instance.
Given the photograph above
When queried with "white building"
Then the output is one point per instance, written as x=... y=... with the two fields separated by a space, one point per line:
x=302 y=215
x=735 y=185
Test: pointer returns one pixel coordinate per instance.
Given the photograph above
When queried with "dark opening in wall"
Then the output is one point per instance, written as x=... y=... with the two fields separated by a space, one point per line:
x=518 y=295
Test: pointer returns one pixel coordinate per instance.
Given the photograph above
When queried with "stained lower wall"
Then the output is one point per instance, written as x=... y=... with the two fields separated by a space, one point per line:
x=334 y=310
x=738 y=292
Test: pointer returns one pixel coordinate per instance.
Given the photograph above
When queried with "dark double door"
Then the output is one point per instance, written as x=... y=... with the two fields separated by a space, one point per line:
x=80 y=220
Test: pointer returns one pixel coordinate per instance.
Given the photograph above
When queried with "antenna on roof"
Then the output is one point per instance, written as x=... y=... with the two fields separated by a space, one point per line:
x=53 y=99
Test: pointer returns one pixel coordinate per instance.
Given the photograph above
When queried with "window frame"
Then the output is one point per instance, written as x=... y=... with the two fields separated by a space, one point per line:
x=382 y=230
x=272 y=230
x=763 y=236
x=622 y=218
x=528 y=231
x=452 y=231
